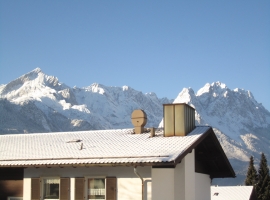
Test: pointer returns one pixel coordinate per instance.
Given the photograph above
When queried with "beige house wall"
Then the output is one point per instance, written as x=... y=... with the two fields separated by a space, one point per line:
x=179 y=183
x=129 y=186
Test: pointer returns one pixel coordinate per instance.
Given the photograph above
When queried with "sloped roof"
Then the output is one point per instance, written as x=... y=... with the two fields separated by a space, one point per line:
x=103 y=147
x=106 y=146
x=232 y=193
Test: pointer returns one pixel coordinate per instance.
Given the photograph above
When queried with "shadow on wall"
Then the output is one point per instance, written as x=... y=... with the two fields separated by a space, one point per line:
x=11 y=188
x=11 y=182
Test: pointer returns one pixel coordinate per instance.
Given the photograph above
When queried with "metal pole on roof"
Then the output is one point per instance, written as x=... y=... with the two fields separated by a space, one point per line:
x=137 y=174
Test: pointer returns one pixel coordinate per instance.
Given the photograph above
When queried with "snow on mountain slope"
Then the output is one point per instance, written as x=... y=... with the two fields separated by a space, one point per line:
x=53 y=106
x=241 y=124
x=36 y=102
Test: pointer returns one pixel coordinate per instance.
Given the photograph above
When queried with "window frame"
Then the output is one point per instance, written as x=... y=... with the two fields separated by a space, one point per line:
x=42 y=186
x=86 y=178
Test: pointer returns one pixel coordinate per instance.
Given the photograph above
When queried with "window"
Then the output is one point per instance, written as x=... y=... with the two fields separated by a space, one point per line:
x=96 y=188
x=51 y=188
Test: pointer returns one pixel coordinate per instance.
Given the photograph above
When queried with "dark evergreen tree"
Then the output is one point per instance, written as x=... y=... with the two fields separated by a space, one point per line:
x=263 y=179
x=251 y=178
x=266 y=195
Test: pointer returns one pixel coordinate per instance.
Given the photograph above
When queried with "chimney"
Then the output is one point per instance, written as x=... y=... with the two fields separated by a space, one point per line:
x=178 y=119
x=138 y=119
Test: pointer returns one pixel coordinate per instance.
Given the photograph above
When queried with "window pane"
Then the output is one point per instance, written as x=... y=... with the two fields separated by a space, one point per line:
x=51 y=188
x=96 y=188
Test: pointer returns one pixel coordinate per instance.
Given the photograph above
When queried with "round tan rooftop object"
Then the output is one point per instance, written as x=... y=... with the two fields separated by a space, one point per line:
x=138 y=119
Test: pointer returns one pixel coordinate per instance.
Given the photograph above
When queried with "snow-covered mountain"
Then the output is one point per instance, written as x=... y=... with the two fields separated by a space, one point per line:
x=241 y=124
x=36 y=102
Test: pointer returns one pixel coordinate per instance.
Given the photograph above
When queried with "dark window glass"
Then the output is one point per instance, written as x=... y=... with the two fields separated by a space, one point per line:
x=51 y=188
x=96 y=188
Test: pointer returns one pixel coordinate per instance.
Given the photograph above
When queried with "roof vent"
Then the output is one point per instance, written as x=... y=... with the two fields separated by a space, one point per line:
x=152 y=132
x=138 y=119
x=179 y=119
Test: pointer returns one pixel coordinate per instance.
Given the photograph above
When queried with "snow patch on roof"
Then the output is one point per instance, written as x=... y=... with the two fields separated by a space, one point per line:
x=106 y=146
x=231 y=193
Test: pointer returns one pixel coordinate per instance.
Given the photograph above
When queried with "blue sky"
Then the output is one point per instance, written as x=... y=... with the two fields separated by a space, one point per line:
x=151 y=46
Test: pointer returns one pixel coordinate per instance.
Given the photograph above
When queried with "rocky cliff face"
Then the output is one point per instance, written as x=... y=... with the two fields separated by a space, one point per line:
x=241 y=124
x=36 y=102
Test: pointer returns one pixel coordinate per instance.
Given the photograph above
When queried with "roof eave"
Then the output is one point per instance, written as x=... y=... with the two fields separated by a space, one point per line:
x=152 y=164
x=190 y=148
x=228 y=174
x=231 y=173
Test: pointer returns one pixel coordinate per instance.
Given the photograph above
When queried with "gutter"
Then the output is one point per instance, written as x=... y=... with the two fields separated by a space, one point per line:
x=137 y=174
x=169 y=164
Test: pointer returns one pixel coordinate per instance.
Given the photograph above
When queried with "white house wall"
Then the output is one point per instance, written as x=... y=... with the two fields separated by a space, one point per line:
x=189 y=162
x=163 y=183
x=176 y=183
x=202 y=186
x=180 y=185
x=129 y=186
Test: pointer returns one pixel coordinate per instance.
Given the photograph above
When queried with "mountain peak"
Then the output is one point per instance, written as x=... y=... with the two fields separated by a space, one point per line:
x=96 y=88
x=31 y=75
x=185 y=96
x=125 y=87
x=21 y=80
x=37 y=70
x=213 y=87
x=219 y=84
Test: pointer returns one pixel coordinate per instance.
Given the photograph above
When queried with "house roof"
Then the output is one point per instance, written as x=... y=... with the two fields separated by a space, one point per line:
x=232 y=193
x=101 y=148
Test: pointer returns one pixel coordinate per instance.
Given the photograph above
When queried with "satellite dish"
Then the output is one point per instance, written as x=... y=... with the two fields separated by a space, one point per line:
x=139 y=120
